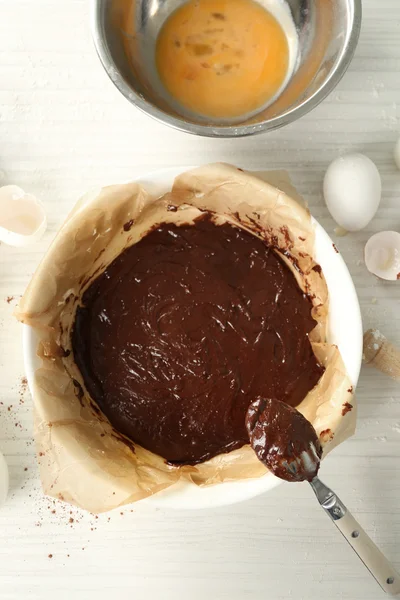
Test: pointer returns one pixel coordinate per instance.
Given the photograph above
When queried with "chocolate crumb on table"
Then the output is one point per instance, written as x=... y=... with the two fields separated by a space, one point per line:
x=22 y=390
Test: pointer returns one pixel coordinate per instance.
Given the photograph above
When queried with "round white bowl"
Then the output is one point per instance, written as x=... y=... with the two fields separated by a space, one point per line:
x=344 y=330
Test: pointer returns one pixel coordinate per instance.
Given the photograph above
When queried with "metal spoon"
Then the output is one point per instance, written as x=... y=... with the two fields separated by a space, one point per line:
x=288 y=445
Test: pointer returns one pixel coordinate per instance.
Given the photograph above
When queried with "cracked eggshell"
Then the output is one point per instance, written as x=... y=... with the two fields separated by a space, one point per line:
x=352 y=191
x=22 y=217
x=4 y=480
x=382 y=255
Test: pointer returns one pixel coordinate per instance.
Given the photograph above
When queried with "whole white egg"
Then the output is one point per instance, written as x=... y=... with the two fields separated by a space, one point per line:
x=352 y=191
x=3 y=479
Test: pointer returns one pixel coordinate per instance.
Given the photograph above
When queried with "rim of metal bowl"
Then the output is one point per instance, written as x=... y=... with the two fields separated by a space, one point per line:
x=230 y=131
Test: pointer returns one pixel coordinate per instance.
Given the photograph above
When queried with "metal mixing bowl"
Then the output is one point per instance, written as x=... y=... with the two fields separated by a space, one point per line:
x=125 y=34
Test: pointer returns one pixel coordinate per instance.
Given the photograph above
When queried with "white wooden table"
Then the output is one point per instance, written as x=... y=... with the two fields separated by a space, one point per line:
x=64 y=129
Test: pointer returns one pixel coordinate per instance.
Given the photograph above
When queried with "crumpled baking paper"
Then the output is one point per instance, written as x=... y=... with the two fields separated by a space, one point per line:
x=82 y=459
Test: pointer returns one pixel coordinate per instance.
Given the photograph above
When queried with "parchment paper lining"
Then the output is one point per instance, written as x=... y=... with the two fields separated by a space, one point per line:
x=82 y=459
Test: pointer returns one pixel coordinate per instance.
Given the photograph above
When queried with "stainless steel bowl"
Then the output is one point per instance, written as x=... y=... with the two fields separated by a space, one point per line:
x=125 y=34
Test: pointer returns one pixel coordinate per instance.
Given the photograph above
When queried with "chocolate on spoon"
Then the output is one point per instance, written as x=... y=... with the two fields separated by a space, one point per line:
x=288 y=445
x=283 y=440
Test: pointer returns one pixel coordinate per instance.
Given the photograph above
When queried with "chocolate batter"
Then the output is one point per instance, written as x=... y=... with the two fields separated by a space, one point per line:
x=184 y=329
x=283 y=440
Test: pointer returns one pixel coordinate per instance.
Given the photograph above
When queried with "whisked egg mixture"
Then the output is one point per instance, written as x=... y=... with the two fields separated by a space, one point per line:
x=226 y=58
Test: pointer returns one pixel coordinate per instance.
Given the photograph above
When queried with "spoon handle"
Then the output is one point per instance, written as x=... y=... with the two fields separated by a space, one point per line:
x=368 y=552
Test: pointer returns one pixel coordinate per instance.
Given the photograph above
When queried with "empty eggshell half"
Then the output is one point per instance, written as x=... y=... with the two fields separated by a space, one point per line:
x=22 y=217
x=4 y=480
x=352 y=191
x=382 y=255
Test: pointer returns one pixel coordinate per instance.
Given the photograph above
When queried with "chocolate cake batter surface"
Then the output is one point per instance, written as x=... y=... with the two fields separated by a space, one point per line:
x=184 y=330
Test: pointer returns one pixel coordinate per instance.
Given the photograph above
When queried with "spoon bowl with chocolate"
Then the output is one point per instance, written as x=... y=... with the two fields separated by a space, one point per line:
x=289 y=446
x=177 y=309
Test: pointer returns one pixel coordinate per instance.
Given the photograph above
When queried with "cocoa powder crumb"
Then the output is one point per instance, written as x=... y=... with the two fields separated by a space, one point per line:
x=335 y=248
x=9 y=299
x=50 y=556
x=326 y=435
x=78 y=389
x=128 y=225
x=347 y=407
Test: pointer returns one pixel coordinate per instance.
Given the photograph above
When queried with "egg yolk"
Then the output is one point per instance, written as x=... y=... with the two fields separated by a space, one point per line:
x=222 y=58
